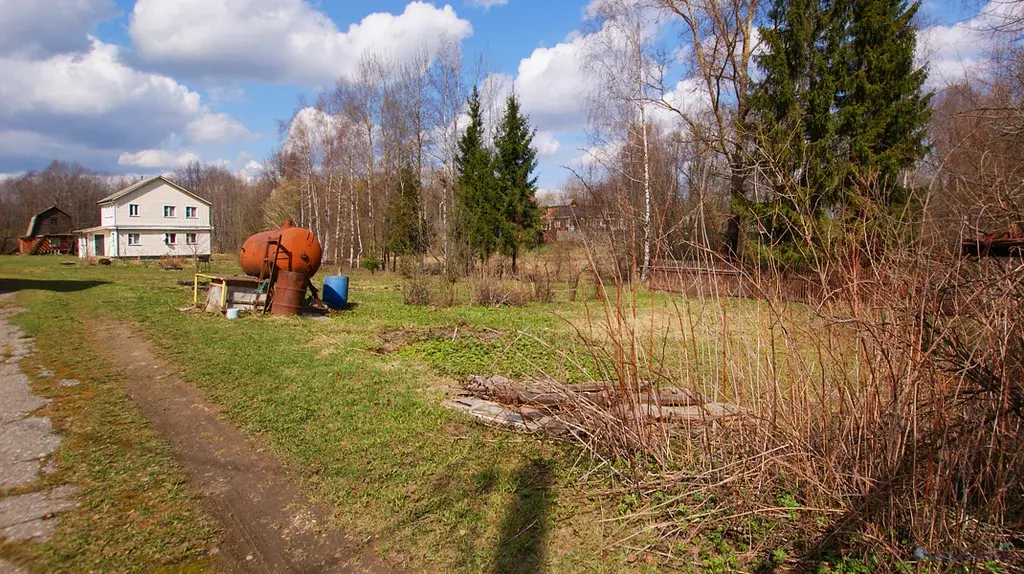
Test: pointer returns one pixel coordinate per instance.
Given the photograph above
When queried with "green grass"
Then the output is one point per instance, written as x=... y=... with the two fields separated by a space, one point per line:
x=366 y=431
x=353 y=404
x=135 y=512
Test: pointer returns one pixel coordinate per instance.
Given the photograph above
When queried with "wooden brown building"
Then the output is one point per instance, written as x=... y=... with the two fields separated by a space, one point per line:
x=49 y=231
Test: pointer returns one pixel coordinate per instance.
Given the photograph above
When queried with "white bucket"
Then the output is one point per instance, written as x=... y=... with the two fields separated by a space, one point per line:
x=232 y=313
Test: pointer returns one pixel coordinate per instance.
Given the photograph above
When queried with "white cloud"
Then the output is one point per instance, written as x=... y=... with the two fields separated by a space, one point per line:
x=959 y=51
x=546 y=144
x=155 y=158
x=689 y=97
x=92 y=107
x=486 y=4
x=212 y=127
x=243 y=166
x=281 y=40
x=92 y=83
x=40 y=28
x=309 y=127
x=598 y=156
x=87 y=102
x=226 y=94
x=552 y=84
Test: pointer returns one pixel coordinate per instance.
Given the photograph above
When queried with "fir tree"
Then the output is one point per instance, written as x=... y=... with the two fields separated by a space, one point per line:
x=883 y=114
x=795 y=126
x=515 y=162
x=839 y=104
x=478 y=202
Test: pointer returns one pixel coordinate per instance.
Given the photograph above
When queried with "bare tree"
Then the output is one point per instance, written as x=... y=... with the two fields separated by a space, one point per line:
x=720 y=37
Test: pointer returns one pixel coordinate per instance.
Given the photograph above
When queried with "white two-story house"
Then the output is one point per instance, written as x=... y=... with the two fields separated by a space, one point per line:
x=152 y=218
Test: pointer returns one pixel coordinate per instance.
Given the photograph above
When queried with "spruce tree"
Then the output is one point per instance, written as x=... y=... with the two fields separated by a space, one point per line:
x=477 y=198
x=883 y=113
x=515 y=162
x=839 y=115
x=794 y=125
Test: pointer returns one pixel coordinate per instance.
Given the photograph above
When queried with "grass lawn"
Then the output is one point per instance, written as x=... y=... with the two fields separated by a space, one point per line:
x=360 y=421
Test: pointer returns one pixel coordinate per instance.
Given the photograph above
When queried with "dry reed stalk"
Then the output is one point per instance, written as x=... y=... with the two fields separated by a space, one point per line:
x=893 y=399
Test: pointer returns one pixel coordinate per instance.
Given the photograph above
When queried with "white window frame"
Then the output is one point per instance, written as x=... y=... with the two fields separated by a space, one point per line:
x=172 y=209
x=191 y=239
x=170 y=238
x=191 y=209
x=137 y=239
x=134 y=209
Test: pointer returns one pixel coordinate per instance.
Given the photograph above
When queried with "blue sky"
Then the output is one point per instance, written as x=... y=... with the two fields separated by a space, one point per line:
x=130 y=86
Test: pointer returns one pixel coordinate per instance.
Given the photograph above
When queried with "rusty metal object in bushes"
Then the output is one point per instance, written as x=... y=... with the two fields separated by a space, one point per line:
x=1004 y=244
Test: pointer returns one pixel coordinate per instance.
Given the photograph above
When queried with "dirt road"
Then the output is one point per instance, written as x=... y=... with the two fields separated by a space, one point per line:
x=267 y=525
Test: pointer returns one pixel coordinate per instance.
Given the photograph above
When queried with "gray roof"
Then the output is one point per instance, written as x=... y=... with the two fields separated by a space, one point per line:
x=139 y=185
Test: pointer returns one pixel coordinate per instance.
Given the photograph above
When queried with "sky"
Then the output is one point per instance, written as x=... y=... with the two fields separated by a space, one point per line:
x=141 y=86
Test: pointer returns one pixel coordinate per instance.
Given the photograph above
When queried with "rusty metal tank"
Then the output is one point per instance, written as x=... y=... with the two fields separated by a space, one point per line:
x=300 y=251
x=288 y=294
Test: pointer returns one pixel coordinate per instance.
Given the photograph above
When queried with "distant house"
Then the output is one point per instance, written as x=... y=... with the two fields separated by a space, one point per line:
x=49 y=231
x=152 y=218
x=568 y=222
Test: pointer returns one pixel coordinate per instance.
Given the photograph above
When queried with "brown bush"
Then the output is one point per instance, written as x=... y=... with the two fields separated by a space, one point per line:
x=489 y=292
x=888 y=413
x=416 y=292
x=541 y=289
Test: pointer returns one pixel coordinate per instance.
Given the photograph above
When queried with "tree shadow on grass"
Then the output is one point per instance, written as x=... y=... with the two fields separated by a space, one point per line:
x=9 y=285
x=524 y=531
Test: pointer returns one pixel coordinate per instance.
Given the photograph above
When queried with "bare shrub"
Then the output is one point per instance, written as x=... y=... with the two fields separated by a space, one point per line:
x=574 y=284
x=491 y=292
x=446 y=294
x=541 y=289
x=887 y=413
x=416 y=292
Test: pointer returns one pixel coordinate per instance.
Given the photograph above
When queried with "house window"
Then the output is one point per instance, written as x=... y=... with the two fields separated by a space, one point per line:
x=169 y=211
x=134 y=239
x=171 y=238
x=133 y=209
x=54 y=242
x=53 y=221
x=191 y=212
x=190 y=239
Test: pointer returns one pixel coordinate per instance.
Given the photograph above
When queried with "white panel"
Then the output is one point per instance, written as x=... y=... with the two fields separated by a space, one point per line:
x=151 y=200
x=108 y=215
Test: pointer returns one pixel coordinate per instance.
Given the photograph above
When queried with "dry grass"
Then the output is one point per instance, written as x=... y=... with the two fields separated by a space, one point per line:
x=886 y=417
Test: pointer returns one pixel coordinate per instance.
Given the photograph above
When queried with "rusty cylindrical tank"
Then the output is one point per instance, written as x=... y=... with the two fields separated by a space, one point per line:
x=300 y=251
x=288 y=293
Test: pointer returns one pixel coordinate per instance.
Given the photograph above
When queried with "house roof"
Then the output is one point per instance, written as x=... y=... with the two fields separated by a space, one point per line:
x=33 y=224
x=574 y=211
x=139 y=185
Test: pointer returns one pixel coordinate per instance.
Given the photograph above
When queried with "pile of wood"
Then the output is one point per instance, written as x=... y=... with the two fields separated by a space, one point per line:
x=549 y=407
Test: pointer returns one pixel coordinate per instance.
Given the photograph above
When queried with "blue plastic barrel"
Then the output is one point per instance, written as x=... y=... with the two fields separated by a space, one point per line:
x=336 y=291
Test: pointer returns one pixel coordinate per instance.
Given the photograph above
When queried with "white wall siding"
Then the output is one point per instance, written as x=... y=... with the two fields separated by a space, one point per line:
x=89 y=240
x=108 y=215
x=152 y=244
x=151 y=200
